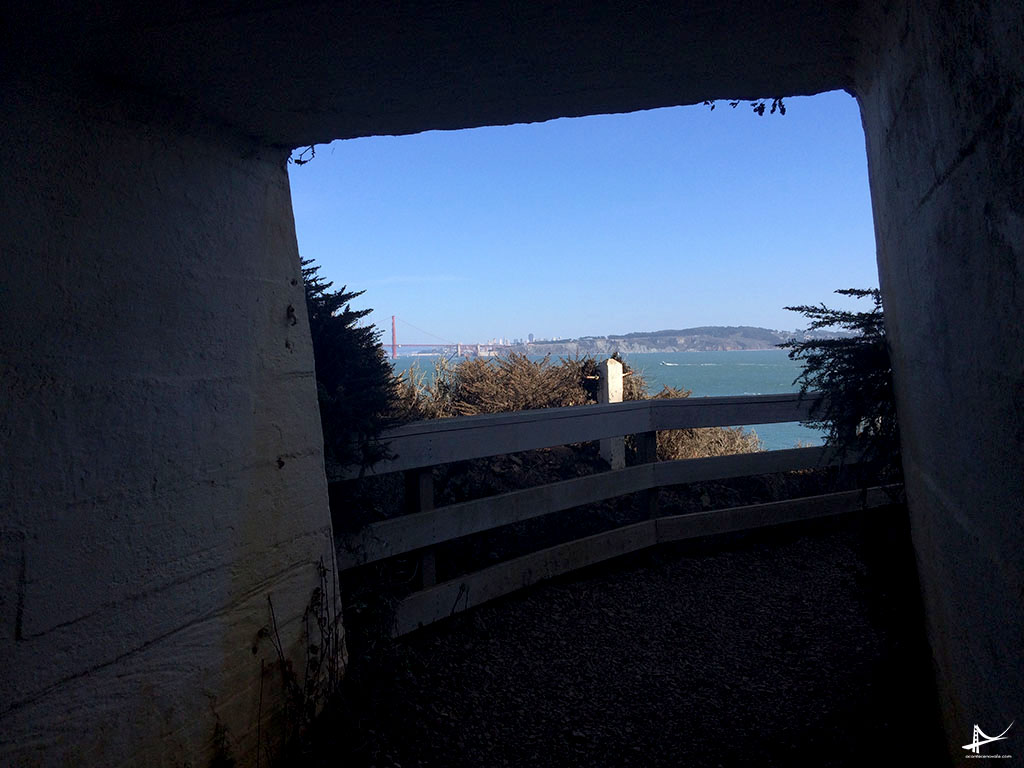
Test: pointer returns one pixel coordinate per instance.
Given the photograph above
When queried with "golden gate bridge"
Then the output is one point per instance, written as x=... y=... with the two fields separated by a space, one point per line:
x=460 y=349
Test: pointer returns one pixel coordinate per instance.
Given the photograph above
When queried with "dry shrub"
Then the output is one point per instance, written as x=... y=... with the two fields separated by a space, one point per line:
x=707 y=441
x=413 y=398
x=497 y=385
x=513 y=383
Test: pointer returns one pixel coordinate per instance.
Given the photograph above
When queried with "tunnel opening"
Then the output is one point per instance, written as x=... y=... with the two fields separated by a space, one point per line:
x=493 y=226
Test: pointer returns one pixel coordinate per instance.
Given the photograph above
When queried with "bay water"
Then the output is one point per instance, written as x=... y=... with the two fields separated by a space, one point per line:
x=708 y=374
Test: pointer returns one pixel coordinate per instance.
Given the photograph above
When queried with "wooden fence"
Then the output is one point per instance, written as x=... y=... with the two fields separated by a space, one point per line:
x=419 y=447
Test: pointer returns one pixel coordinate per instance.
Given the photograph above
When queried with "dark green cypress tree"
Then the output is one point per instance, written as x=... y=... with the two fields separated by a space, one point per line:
x=355 y=383
x=855 y=375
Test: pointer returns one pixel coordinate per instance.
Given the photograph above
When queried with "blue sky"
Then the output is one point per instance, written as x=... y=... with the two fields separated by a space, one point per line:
x=667 y=218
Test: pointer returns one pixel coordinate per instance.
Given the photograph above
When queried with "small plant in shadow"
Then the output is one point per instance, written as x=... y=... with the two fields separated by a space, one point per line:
x=303 y=695
x=222 y=756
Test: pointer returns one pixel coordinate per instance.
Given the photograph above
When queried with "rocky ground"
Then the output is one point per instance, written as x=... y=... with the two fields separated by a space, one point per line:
x=800 y=646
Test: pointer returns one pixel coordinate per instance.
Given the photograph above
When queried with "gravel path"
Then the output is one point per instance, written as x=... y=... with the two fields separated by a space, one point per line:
x=795 y=647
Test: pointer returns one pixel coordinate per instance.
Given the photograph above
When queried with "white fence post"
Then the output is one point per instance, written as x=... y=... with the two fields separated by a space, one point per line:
x=613 y=449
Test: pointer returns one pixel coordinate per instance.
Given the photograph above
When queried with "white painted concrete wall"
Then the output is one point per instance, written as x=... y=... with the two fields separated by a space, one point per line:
x=940 y=92
x=161 y=470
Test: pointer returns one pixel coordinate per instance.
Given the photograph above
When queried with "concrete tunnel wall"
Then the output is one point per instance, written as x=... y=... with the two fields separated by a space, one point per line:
x=162 y=468
x=940 y=90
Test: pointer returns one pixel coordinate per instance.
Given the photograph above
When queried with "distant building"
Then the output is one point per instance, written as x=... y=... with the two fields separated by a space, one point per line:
x=530 y=337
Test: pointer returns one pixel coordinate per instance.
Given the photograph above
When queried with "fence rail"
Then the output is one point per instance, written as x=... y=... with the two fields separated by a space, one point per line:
x=420 y=446
x=444 y=600
x=408 y=533
x=440 y=441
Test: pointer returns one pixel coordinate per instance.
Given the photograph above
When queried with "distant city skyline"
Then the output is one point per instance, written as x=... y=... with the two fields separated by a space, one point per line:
x=593 y=226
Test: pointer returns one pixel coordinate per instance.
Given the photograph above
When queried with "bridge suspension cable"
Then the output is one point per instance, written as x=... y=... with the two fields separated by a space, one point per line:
x=428 y=333
x=394 y=336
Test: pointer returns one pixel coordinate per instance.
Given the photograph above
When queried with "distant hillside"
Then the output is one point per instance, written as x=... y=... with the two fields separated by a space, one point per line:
x=709 y=338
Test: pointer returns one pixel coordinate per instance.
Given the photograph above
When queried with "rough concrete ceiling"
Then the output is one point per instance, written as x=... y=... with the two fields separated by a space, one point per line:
x=293 y=73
